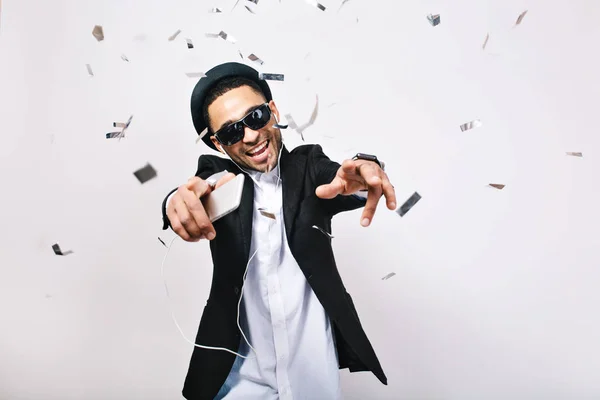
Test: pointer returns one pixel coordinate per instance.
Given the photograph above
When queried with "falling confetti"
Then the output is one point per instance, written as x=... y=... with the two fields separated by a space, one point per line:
x=434 y=20
x=487 y=37
x=215 y=10
x=98 y=33
x=160 y=240
x=300 y=129
x=173 y=36
x=254 y=58
x=124 y=57
x=59 y=252
x=250 y=10
x=316 y=4
x=323 y=231
x=291 y=123
x=265 y=213
x=253 y=1
x=521 y=16
x=574 y=154
x=388 y=276
x=119 y=134
x=470 y=125
x=195 y=74
x=341 y=5
x=408 y=204
x=241 y=55
x=89 y=69
x=498 y=186
x=222 y=35
x=270 y=77
x=145 y=173
x=190 y=45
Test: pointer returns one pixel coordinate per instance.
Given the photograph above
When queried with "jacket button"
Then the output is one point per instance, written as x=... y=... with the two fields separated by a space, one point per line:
x=236 y=290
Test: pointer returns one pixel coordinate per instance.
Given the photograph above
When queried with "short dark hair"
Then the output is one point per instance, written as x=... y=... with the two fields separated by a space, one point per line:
x=223 y=86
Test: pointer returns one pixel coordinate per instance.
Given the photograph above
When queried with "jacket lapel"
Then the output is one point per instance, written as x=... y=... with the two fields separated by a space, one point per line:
x=293 y=168
x=245 y=212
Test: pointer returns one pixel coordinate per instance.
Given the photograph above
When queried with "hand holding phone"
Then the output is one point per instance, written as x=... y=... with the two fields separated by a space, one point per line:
x=186 y=208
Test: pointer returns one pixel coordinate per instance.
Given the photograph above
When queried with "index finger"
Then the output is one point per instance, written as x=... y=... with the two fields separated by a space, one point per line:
x=371 y=205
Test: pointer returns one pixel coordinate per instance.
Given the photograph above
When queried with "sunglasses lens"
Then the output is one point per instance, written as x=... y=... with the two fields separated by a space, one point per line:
x=231 y=134
x=258 y=118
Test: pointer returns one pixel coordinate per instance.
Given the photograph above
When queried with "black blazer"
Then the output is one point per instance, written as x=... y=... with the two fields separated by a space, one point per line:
x=302 y=170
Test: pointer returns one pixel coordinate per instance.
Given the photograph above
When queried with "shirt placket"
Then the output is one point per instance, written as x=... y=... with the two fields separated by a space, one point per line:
x=276 y=305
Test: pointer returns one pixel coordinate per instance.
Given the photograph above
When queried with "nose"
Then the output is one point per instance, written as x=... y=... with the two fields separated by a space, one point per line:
x=250 y=136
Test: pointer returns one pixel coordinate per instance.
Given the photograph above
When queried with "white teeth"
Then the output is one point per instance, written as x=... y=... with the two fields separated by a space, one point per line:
x=259 y=149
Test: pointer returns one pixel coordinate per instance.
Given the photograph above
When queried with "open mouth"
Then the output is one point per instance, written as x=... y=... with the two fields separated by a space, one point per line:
x=260 y=151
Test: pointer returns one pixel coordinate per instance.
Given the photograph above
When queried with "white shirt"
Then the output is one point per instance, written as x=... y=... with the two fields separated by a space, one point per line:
x=281 y=317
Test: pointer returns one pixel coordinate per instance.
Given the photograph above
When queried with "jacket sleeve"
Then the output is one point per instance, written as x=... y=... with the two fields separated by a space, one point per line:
x=323 y=170
x=206 y=167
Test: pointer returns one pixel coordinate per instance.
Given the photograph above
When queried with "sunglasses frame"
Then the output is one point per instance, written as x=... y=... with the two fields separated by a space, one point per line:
x=242 y=120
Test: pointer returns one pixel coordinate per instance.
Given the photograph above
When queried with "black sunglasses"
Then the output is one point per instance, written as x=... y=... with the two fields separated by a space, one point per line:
x=255 y=120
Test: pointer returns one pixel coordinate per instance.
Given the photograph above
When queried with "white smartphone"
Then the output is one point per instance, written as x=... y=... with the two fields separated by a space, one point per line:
x=224 y=199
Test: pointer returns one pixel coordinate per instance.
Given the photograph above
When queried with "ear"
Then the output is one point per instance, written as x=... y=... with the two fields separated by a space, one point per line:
x=214 y=140
x=274 y=110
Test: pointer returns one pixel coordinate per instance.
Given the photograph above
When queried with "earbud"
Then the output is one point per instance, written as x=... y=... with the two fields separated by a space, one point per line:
x=277 y=125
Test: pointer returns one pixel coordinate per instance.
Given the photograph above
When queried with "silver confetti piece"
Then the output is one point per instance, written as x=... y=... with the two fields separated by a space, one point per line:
x=253 y=1
x=341 y=5
x=164 y=244
x=57 y=250
x=574 y=154
x=323 y=231
x=227 y=37
x=250 y=10
x=265 y=213
x=195 y=74
x=434 y=20
x=173 y=36
x=119 y=124
x=190 y=45
x=112 y=135
x=291 y=123
x=124 y=57
x=145 y=173
x=241 y=55
x=253 y=57
x=89 y=69
x=470 y=125
x=408 y=204
x=487 y=37
x=498 y=186
x=315 y=3
x=215 y=10
x=388 y=276
x=521 y=16
x=98 y=33
x=270 y=77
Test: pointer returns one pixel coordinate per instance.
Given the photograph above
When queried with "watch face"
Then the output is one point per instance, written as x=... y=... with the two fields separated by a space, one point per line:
x=367 y=157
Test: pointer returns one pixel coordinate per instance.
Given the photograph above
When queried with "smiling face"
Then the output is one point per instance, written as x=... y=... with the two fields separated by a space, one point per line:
x=259 y=149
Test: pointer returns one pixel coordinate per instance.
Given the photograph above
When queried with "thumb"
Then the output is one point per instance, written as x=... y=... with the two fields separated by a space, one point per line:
x=330 y=190
x=225 y=179
x=198 y=186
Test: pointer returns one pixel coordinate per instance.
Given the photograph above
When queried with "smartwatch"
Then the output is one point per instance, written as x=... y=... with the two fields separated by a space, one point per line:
x=368 y=157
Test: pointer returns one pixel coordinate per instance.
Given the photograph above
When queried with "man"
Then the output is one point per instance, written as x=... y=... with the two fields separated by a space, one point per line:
x=300 y=323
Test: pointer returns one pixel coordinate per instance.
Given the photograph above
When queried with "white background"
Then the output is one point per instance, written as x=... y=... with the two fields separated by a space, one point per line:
x=496 y=292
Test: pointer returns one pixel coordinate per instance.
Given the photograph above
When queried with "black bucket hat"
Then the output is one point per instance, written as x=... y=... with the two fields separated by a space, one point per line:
x=205 y=84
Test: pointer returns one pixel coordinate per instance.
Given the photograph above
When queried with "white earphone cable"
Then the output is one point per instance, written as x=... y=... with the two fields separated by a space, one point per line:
x=162 y=273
